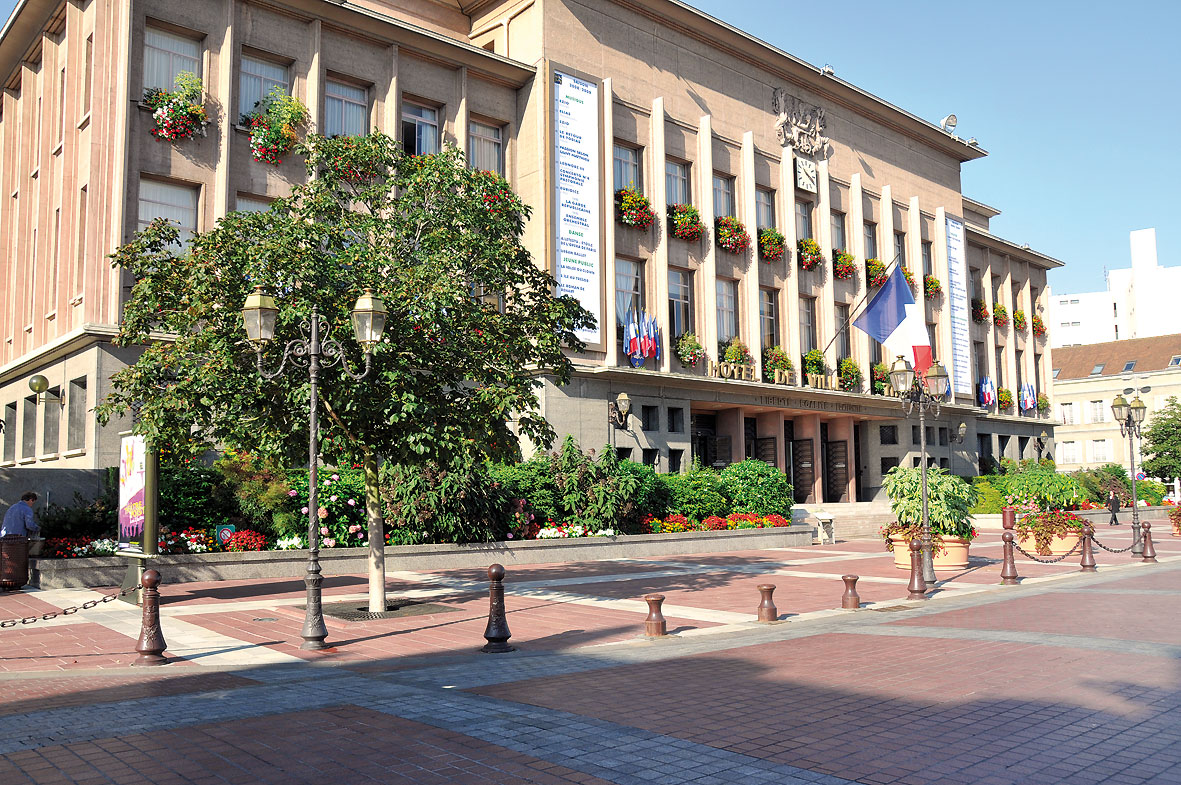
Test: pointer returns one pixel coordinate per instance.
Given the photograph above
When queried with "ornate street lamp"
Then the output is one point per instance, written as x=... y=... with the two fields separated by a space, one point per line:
x=1129 y=417
x=1040 y=442
x=259 y=316
x=923 y=396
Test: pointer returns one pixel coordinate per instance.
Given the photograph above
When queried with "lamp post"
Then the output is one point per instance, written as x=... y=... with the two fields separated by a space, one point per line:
x=923 y=396
x=1129 y=417
x=259 y=316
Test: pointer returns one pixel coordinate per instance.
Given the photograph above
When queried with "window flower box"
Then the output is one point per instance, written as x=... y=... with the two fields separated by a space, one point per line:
x=633 y=209
x=844 y=266
x=178 y=113
x=772 y=245
x=731 y=235
x=809 y=253
x=684 y=222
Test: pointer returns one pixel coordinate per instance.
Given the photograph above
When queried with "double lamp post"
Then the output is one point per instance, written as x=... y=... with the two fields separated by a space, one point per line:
x=1130 y=416
x=316 y=351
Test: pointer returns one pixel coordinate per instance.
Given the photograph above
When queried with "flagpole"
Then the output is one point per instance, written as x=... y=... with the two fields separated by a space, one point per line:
x=853 y=311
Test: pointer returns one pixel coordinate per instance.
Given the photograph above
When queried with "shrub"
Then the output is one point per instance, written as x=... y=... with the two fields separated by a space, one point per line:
x=340 y=503
x=684 y=222
x=262 y=491
x=633 y=209
x=698 y=494
x=949 y=501
x=809 y=253
x=455 y=503
x=731 y=235
x=772 y=245
x=989 y=498
x=89 y=519
x=591 y=492
x=650 y=498
x=1043 y=488
x=531 y=481
x=756 y=487
x=849 y=374
x=844 y=265
x=194 y=495
x=814 y=363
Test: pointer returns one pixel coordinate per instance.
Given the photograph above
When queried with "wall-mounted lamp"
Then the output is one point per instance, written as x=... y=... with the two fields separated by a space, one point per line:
x=618 y=410
x=960 y=433
x=40 y=385
x=1040 y=443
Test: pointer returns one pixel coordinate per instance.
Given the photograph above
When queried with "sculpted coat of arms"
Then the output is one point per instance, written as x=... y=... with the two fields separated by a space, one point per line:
x=799 y=125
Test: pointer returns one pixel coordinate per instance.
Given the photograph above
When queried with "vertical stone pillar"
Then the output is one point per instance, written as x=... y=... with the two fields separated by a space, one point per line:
x=748 y=287
x=659 y=195
x=315 y=79
x=707 y=292
x=826 y=326
x=791 y=294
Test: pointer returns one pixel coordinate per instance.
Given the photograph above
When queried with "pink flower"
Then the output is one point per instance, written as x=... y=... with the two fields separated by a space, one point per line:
x=332 y=498
x=336 y=476
x=329 y=543
x=304 y=510
x=322 y=512
x=352 y=502
x=354 y=529
x=510 y=535
x=323 y=530
x=291 y=493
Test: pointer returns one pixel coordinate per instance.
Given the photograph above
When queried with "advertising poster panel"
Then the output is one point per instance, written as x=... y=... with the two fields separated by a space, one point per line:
x=132 y=481
x=957 y=301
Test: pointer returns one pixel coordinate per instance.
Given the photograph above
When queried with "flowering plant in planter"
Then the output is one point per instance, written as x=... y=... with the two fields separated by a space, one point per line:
x=732 y=235
x=809 y=253
x=735 y=351
x=875 y=272
x=849 y=373
x=1039 y=327
x=1046 y=525
x=633 y=209
x=949 y=504
x=684 y=222
x=1004 y=399
x=879 y=378
x=689 y=350
x=1000 y=315
x=272 y=125
x=776 y=359
x=844 y=266
x=178 y=113
x=1043 y=404
x=909 y=276
x=814 y=363
x=931 y=286
x=979 y=311
x=1019 y=322
x=772 y=245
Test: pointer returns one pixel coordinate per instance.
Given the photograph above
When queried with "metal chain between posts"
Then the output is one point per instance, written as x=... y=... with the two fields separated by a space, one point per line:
x=1111 y=550
x=70 y=610
x=1028 y=555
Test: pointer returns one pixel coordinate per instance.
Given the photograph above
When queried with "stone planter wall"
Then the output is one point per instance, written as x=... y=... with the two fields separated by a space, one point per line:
x=190 y=567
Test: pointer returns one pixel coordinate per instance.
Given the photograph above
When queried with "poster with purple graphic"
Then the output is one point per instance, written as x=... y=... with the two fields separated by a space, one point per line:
x=132 y=476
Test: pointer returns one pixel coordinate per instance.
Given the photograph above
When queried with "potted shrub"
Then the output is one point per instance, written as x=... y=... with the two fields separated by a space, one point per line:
x=931 y=287
x=875 y=272
x=272 y=125
x=1019 y=322
x=1039 y=327
x=180 y=112
x=684 y=222
x=979 y=311
x=1000 y=316
x=1004 y=399
x=776 y=359
x=844 y=266
x=772 y=245
x=809 y=253
x=949 y=502
x=735 y=352
x=814 y=366
x=1175 y=519
x=879 y=378
x=688 y=350
x=731 y=234
x=849 y=375
x=633 y=209
x=1049 y=532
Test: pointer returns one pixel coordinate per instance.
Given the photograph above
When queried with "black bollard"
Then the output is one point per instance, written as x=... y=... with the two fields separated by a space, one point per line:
x=151 y=643
x=497 y=633
x=1149 y=549
x=1088 y=562
x=767 y=609
x=917 y=590
x=850 y=600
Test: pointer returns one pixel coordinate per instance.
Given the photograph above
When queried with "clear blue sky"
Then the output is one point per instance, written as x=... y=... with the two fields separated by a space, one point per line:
x=1075 y=101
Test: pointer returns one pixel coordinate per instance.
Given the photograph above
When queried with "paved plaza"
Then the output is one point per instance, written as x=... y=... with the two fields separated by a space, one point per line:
x=1066 y=678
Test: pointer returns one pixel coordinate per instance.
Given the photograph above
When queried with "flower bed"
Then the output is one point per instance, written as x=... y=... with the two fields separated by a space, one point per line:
x=844 y=265
x=633 y=209
x=676 y=524
x=732 y=235
x=772 y=245
x=684 y=222
x=809 y=253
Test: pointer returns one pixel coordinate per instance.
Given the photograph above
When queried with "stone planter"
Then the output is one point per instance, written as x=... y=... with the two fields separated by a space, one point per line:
x=955 y=556
x=1058 y=545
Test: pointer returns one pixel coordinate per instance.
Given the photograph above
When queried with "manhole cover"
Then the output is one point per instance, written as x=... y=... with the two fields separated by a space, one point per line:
x=351 y=611
x=891 y=608
x=268 y=618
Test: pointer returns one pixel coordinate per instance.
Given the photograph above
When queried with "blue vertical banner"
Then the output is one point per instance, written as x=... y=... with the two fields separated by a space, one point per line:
x=958 y=307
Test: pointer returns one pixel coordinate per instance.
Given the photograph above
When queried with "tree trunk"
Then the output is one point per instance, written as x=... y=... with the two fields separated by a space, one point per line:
x=376 y=537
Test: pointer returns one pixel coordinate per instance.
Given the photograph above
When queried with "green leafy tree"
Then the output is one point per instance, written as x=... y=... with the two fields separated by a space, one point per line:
x=472 y=319
x=1162 y=442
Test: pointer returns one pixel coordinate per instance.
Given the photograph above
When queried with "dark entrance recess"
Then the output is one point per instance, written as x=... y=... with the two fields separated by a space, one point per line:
x=708 y=448
x=857 y=479
x=803 y=470
x=836 y=469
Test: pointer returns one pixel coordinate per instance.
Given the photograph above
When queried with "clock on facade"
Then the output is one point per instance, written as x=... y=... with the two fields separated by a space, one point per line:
x=806 y=174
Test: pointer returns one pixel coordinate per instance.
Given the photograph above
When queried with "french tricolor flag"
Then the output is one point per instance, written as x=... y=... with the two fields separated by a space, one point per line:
x=894 y=320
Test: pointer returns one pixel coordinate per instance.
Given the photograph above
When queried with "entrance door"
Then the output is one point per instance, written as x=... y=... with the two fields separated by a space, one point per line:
x=836 y=469
x=803 y=473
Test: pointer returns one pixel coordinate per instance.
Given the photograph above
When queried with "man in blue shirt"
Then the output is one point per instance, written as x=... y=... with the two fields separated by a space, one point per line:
x=19 y=518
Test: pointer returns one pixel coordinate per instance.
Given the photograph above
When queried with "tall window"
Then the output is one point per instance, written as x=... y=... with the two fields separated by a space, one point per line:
x=487 y=147
x=629 y=290
x=76 y=424
x=928 y=262
x=1019 y=360
x=165 y=56
x=87 y=73
x=628 y=172
x=1000 y=367
x=807 y=323
x=346 y=109
x=900 y=248
x=55 y=260
x=933 y=336
x=727 y=309
x=871 y=240
x=769 y=317
x=1099 y=452
x=51 y=420
x=420 y=129
x=981 y=360
x=1098 y=411
x=680 y=302
x=844 y=344
x=177 y=203
x=80 y=248
x=61 y=106
x=252 y=204
x=29 y=428
x=256 y=81
x=723 y=195
x=837 y=222
x=676 y=182
x=1066 y=411
x=803 y=220
x=764 y=208
x=10 y=432
x=1067 y=452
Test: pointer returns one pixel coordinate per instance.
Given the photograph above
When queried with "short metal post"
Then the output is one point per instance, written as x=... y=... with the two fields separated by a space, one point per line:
x=1088 y=562
x=767 y=609
x=850 y=600
x=655 y=625
x=497 y=633
x=1009 y=576
x=151 y=643
x=1149 y=548
x=917 y=590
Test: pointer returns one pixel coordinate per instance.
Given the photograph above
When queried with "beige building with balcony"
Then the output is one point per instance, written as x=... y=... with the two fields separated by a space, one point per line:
x=569 y=99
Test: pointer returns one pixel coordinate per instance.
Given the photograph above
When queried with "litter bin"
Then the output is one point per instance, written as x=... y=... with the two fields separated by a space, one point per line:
x=14 y=561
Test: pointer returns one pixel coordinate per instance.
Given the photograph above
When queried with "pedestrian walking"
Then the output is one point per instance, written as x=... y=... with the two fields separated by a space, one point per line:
x=19 y=518
x=1113 y=505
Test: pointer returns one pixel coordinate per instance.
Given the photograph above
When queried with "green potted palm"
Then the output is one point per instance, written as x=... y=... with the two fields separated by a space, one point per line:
x=949 y=501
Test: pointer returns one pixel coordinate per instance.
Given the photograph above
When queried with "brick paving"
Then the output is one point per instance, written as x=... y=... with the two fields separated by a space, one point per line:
x=1068 y=678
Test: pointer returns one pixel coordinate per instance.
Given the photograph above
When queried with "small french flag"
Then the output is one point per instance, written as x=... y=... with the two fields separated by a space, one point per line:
x=894 y=320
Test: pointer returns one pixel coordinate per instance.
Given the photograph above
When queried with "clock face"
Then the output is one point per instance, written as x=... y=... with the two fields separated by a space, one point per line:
x=806 y=175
